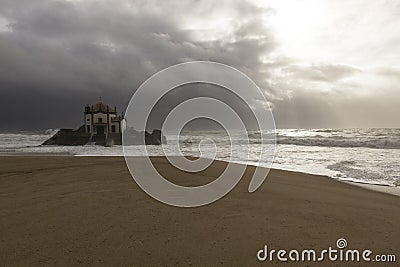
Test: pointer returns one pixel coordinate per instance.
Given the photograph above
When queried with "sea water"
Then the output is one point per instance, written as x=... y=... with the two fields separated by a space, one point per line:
x=361 y=155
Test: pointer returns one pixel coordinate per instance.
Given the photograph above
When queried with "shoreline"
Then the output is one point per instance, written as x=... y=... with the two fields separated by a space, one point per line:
x=385 y=188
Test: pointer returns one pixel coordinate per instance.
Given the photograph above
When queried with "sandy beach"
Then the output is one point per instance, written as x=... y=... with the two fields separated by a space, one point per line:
x=88 y=211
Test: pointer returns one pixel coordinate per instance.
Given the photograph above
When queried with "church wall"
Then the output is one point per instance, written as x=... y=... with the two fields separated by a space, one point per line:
x=100 y=116
x=116 y=124
x=103 y=116
x=96 y=117
x=88 y=122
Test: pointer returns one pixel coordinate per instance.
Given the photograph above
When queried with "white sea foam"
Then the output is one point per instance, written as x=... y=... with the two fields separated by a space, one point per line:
x=361 y=155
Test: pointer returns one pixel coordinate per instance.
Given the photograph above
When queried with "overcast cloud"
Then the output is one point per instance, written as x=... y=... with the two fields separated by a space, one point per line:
x=57 y=56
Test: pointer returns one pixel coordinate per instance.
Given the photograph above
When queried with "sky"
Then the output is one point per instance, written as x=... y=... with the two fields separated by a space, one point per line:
x=320 y=63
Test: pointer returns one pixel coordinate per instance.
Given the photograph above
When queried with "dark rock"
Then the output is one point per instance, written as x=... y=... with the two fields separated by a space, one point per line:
x=133 y=137
x=70 y=137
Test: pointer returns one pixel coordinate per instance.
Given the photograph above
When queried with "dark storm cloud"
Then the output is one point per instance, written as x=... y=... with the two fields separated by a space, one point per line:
x=57 y=56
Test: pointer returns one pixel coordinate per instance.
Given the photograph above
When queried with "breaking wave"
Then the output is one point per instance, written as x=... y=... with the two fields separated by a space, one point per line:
x=384 y=143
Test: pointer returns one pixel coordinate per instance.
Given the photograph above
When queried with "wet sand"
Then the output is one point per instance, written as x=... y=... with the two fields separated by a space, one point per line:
x=88 y=211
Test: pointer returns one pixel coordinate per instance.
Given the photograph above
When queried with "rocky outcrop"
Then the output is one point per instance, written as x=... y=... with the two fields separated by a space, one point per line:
x=133 y=137
x=155 y=138
x=71 y=137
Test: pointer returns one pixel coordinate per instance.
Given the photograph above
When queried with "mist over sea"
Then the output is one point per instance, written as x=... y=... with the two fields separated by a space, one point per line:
x=361 y=155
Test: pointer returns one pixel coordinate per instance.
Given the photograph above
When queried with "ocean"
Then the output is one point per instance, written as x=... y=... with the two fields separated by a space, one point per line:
x=361 y=155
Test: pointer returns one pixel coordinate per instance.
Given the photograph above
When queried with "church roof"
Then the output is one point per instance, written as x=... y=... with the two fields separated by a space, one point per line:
x=100 y=107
